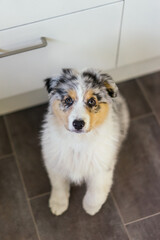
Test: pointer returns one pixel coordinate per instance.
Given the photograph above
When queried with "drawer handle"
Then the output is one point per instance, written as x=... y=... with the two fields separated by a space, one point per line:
x=21 y=50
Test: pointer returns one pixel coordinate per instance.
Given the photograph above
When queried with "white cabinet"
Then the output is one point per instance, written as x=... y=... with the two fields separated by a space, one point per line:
x=140 y=36
x=19 y=12
x=122 y=37
x=84 y=39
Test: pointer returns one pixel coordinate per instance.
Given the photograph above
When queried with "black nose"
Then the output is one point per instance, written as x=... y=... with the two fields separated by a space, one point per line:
x=78 y=124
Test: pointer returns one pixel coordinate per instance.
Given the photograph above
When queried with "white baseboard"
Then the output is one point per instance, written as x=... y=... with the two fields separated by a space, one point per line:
x=25 y=100
x=135 y=70
x=39 y=96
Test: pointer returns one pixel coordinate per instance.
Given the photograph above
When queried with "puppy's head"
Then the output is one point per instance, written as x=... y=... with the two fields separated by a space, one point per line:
x=80 y=101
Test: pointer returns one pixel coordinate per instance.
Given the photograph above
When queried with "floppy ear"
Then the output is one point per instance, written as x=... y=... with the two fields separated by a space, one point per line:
x=65 y=75
x=110 y=85
x=50 y=83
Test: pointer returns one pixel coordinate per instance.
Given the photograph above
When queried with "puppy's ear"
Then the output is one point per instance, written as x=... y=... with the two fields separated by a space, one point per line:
x=50 y=83
x=110 y=85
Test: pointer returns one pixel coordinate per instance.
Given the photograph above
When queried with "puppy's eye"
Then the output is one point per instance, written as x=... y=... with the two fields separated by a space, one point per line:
x=91 y=102
x=69 y=101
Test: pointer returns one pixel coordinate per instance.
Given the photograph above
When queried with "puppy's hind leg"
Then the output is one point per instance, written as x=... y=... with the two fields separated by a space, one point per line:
x=59 y=198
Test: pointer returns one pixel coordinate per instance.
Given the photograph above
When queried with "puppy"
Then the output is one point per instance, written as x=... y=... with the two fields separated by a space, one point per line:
x=86 y=122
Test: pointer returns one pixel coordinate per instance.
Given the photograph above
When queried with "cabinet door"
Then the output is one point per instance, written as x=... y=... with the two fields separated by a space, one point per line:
x=86 y=39
x=140 y=38
x=18 y=12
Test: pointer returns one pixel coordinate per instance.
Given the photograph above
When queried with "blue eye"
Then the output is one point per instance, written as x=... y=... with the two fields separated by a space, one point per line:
x=91 y=102
x=69 y=101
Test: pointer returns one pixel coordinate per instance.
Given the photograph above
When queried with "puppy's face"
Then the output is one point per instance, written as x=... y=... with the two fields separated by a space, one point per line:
x=80 y=101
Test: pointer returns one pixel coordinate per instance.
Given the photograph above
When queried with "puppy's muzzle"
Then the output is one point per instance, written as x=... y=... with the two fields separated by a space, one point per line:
x=78 y=124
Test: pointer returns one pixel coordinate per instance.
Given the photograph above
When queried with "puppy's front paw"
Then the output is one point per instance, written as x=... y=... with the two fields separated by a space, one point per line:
x=91 y=210
x=57 y=208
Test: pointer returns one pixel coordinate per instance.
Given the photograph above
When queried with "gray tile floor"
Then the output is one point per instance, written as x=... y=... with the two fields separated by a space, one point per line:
x=132 y=210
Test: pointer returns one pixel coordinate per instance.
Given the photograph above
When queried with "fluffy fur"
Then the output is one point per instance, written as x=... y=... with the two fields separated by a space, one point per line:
x=85 y=150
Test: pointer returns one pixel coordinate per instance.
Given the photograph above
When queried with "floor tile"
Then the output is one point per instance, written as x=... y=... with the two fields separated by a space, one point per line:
x=24 y=127
x=136 y=102
x=15 y=220
x=5 y=147
x=151 y=85
x=148 y=229
x=137 y=176
x=75 y=223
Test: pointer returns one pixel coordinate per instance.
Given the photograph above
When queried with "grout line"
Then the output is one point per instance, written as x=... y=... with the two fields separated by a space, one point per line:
x=147 y=99
x=140 y=219
x=6 y=156
x=120 y=34
x=142 y=116
x=62 y=15
x=21 y=177
x=38 y=196
x=121 y=217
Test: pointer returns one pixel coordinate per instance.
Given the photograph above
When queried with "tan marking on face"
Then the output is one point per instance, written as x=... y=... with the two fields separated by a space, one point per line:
x=60 y=114
x=72 y=94
x=98 y=118
x=88 y=95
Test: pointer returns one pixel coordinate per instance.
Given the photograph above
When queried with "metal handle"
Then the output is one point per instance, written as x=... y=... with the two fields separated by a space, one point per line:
x=21 y=50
